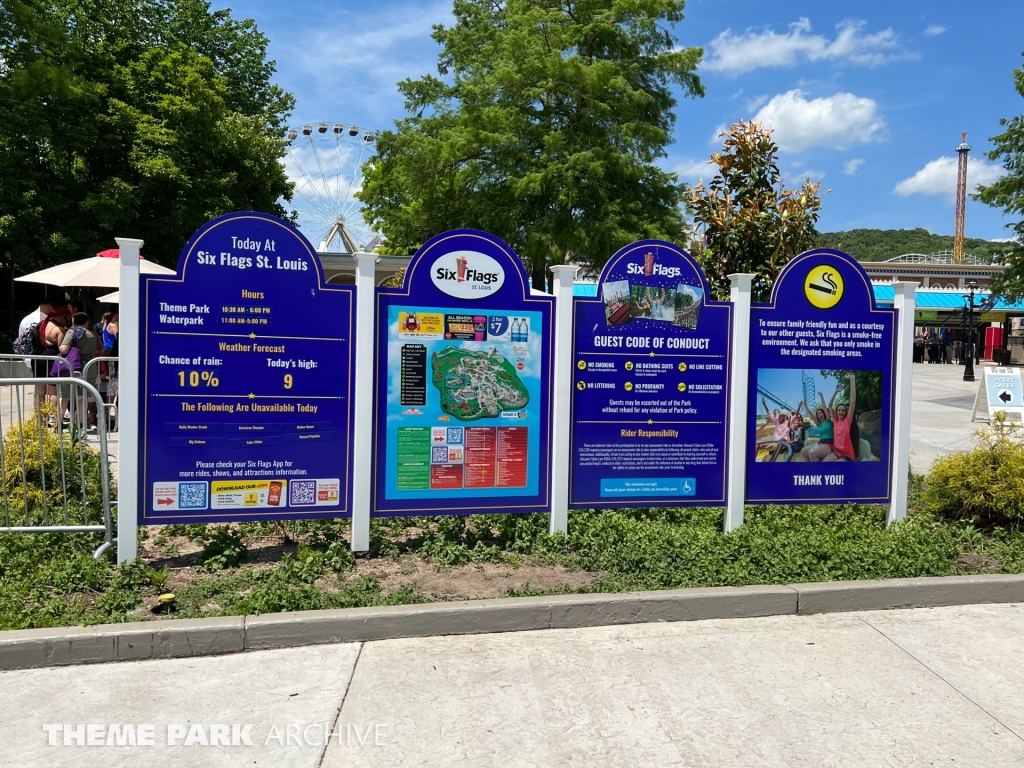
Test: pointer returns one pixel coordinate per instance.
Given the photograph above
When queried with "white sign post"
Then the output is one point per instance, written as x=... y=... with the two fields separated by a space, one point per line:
x=903 y=385
x=362 y=431
x=561 y=400
x=739 y=378
x=128 y=401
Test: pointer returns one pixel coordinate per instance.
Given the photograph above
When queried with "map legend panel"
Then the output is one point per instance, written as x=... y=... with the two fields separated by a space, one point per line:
x=414 y=374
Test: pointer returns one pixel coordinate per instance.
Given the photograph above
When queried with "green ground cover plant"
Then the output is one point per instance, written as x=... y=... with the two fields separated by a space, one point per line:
x=965 y=517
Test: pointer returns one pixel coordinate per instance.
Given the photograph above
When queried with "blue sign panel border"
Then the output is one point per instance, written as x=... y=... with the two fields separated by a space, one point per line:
x=341 y=462
x=834 y=481
x=513 y=296
x=684 y=494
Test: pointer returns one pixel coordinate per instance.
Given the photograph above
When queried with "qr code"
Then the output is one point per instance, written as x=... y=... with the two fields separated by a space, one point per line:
x=439 y=454
x=192 y=496
x=454 y=435
x=302 y=492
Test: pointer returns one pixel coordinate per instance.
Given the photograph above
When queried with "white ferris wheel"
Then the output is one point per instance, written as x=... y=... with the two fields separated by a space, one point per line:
x=325 y=161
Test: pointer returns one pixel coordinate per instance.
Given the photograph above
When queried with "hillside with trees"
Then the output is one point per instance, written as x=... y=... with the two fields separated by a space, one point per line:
x=882 y=244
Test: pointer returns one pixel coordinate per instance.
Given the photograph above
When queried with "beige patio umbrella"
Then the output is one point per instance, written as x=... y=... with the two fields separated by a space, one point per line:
x=100 y=271
x=114 y=297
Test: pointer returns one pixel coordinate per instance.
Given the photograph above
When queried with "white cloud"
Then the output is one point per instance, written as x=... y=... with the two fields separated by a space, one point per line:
x=354 y=61
x=836 y=122
x=694 y=170
x=756 y=103
x=734 y=54
x=851 y=166
x=938 y=177
x=935 y=29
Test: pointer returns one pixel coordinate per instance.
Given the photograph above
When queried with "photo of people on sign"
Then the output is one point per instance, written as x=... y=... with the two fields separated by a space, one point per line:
x=653 y=303
x=824 y=415
x=617 y=303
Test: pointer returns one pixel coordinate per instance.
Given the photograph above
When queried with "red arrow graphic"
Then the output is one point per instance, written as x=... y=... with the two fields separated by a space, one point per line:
x=164 y=501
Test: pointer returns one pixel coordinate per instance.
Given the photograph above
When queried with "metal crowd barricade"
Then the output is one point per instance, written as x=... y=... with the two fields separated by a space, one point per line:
x=110 y=406
x=44 y=486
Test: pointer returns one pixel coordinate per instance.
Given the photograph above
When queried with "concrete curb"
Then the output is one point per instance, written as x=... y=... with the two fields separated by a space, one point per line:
x=29 y=648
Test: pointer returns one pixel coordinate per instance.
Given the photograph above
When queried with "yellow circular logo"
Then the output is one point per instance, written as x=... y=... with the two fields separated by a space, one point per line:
x=681 y=387
x=629 y=365
x=582 y=364
x=629 y=386
x=682 y=367
x=824 y=286
x=581 y=385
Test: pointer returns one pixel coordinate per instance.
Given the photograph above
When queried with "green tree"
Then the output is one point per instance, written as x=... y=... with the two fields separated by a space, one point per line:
x=543 y=128
x=883 y=244
x=131 y=117
x=748 y=219
x=1008 y=193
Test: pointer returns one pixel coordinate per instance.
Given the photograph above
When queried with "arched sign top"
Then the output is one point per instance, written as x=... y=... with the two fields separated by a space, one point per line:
x=657 y=261
x=253 y=243
x=246 y=388
x=466 y=265
x=823 y=279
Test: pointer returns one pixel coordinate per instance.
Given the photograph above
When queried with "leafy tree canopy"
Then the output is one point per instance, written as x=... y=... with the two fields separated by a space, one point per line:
x=1008 y=192
x=882 y=244
x=750 y=222
x=543 y=128
x=140 y=118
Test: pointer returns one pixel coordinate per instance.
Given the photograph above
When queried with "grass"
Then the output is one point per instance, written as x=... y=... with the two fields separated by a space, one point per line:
x=52 y=580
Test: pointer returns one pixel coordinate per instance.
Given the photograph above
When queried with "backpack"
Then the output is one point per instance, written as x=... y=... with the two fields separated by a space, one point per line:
x=28 y=342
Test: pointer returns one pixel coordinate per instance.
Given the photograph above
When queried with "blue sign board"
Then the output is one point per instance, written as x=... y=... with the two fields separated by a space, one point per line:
x=650 y=384
x=245 y=380
x=820 y=413
x=462 y=383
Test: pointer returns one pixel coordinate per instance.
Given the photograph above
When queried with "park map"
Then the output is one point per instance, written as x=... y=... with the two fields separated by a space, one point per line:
x=476 y=385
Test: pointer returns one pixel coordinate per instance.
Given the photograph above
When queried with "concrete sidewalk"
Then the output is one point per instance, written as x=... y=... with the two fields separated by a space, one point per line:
x=895 y=688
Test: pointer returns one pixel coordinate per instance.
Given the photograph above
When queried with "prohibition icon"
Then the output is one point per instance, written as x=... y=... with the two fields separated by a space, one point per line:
x=629 y=365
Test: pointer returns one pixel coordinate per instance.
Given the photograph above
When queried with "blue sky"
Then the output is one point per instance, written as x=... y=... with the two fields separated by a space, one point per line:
x=869 y=97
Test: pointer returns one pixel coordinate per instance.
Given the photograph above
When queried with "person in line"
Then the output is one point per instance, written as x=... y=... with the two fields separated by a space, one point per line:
x=110 y=331
x=38 y=368
x=79 y=335
x=946 y=341
x=823 y=418
x=845 y=437
x=52 y=332
x=918 y=349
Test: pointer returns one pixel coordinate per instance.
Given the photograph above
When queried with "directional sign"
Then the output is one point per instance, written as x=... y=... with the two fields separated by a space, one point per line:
x=1004 y=392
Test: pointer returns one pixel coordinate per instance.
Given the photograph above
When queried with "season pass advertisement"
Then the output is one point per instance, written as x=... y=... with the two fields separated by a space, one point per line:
x=465 y=401
x=820 y=410
x=246 y=401
x=650 y=379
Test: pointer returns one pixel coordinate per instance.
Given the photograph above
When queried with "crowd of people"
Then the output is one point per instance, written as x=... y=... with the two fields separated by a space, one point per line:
x=61 y=341
x=835 y=428
x=937 y=347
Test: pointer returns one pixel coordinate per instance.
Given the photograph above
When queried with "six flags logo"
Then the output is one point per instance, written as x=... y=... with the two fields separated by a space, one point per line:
x=651 y=267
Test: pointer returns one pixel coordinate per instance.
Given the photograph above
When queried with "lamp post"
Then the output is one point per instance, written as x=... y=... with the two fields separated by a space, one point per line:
x=969 y=363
